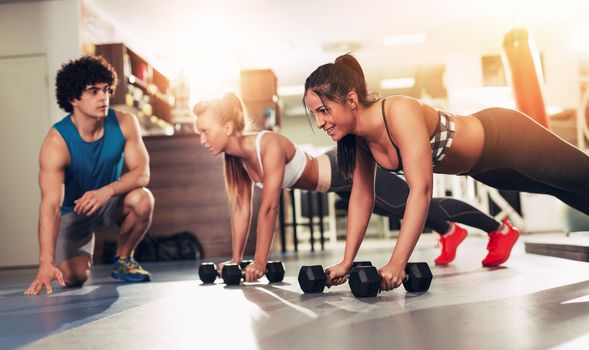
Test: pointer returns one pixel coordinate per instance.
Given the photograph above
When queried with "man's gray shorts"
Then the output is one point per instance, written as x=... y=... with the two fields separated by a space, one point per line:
x=76 y=232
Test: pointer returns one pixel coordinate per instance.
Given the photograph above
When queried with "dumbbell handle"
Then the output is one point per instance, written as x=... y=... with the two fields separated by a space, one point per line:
x=405 y=279
x=274 y=272
x=242 y=270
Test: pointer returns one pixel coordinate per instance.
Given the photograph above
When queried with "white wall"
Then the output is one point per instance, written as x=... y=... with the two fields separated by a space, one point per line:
x=50 y=28
x=36 y=37
x=20 y=139
x=299 y=130
x=561 y=76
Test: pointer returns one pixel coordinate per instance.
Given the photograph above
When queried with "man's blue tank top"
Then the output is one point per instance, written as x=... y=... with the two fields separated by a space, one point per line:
x=92 y=164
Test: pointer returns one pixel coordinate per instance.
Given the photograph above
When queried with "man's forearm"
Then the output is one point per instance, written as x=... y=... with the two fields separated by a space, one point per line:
x=129 y=181
x=49 y=221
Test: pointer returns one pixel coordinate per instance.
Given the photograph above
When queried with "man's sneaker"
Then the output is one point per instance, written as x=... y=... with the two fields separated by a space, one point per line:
x=500 y=245
x=450 y=242
x=129 y=270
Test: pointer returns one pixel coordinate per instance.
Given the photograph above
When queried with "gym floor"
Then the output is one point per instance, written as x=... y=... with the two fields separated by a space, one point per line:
x=533 y=302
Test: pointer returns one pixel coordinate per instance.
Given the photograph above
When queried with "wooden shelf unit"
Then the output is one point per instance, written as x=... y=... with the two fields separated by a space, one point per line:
x=133 y=70
x=259 y=94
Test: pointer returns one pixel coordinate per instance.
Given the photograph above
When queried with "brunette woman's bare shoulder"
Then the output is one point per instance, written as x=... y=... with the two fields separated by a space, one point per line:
x=401 y=105
x=400 y=101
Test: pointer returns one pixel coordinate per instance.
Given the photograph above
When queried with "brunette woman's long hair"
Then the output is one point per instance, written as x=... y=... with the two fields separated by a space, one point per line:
x=333 y=81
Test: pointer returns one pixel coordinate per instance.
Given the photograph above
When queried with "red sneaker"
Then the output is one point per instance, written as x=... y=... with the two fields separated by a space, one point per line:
x=500 y=245
x=450 y=242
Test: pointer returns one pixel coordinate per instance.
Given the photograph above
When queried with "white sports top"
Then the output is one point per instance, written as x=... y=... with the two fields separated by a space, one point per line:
x=292 y=170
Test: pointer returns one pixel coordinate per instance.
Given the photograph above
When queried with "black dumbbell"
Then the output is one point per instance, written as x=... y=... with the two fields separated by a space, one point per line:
x=233 y=273
x=365 y=281
x=207 y=272
x=418 y=277
x=274 y=271
x=312 y=278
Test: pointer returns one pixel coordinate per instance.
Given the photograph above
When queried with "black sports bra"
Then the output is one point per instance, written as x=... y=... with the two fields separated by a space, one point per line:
x=440 y=141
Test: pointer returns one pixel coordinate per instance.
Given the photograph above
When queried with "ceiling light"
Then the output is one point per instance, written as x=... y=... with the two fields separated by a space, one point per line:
x=291 y=90
x=340 y=46
x=401 y=83
x=404 y=39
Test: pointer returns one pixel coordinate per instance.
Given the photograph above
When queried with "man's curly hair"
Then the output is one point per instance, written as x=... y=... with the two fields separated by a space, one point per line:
x=76 y=75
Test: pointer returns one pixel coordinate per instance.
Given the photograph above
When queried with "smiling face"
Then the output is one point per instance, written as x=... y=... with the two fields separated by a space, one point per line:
x=213 y=135
x=333 y=117
x=93 y=101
